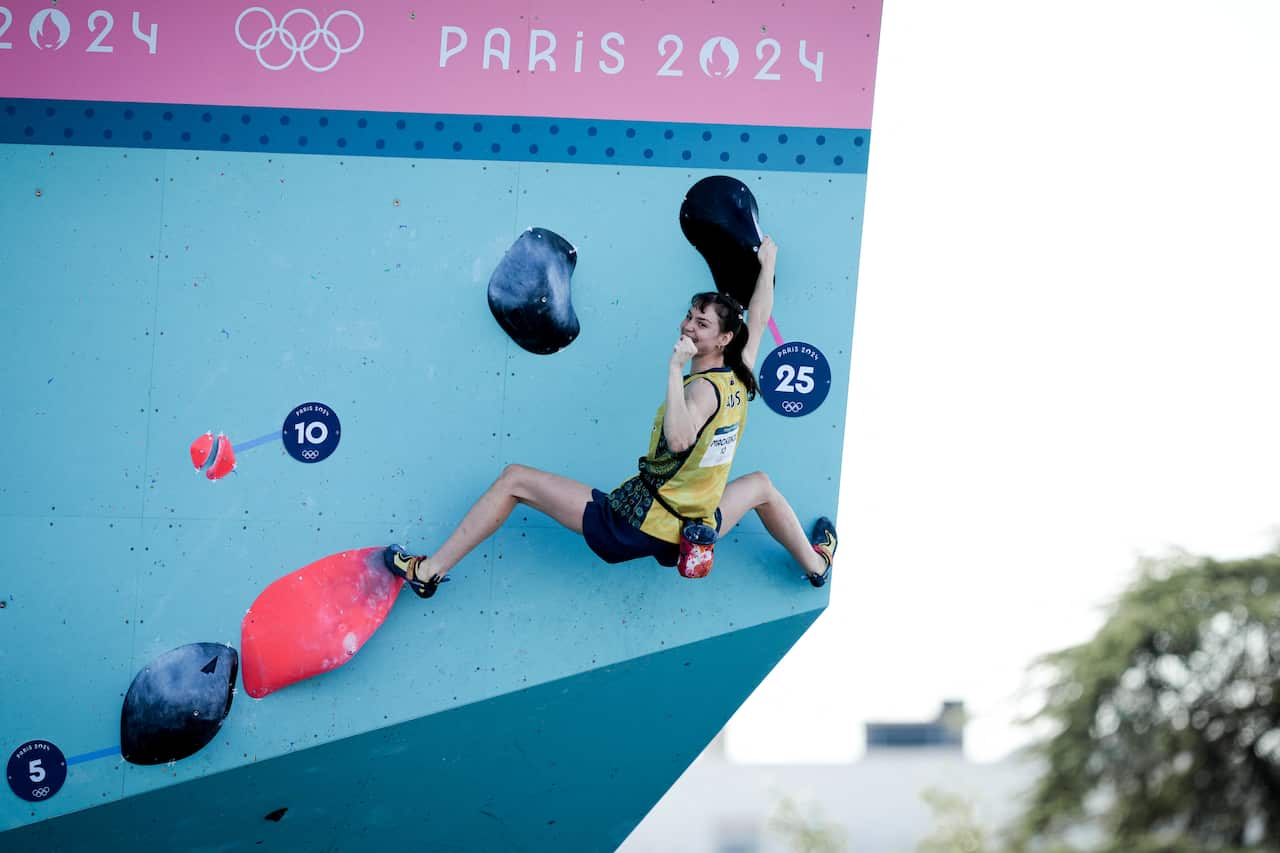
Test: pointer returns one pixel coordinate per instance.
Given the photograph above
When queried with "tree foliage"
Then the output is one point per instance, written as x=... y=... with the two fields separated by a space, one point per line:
x=807 y=832
x=955 y=828
x=1166 y=724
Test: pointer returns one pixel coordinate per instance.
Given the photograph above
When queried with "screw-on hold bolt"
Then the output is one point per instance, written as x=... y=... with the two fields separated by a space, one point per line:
x=39 y=193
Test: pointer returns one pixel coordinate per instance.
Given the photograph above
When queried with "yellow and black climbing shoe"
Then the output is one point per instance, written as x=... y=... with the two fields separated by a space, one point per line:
x=400 y=563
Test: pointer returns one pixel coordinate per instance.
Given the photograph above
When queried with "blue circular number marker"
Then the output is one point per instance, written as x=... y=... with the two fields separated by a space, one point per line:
x=795 y=379
x=37 y=770
x=311 y=432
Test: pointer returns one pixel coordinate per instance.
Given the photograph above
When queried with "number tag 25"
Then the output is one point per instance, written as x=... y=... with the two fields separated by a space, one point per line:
x=793 y=380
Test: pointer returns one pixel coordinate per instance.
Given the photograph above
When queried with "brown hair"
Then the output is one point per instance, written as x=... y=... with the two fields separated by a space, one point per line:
x=730 y=312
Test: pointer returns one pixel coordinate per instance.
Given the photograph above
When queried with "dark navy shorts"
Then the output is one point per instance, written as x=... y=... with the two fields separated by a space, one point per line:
x=616 y=541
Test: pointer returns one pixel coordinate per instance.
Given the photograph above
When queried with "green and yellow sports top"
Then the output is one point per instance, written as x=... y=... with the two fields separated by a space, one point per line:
x=692 y=482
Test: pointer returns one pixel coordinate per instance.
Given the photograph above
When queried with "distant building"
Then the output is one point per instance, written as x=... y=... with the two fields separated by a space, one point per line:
x=718 y=806
x=946 y=730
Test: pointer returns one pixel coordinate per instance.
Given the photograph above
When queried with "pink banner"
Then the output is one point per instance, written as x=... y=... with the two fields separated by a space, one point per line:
x=804 y=63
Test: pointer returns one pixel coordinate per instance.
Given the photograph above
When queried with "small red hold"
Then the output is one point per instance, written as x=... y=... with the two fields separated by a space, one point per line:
x=214 y=456
x=200 y=450
x=224 y=459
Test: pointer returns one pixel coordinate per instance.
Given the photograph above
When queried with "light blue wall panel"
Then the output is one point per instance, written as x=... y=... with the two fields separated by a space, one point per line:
x=68 y=629
x=349 y=282
x=189 y=291
x=78 y=266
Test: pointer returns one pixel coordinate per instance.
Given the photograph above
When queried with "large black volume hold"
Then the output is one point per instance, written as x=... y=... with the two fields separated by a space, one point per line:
x=529 y=292
x=720 y=218
x=177 y=703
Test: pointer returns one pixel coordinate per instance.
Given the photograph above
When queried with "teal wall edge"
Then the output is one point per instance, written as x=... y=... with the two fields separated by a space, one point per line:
x=573 y=764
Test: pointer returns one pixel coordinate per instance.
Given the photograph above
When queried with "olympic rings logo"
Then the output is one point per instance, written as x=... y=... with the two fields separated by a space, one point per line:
x=40 y=793
x=792 y=407
x=310 y=454
x=298 y=48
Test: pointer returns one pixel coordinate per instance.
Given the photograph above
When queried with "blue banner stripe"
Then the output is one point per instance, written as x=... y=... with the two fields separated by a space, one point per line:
x=443 y=137
x=254 y=442
x=91 y=756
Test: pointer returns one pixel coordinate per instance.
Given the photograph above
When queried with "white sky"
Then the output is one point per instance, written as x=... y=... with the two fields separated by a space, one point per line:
x=1066 y=353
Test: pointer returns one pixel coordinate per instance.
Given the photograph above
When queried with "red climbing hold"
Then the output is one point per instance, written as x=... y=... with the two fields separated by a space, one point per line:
x=200 y=450
x=224 y=459
x=315 y=619
x=216 y=453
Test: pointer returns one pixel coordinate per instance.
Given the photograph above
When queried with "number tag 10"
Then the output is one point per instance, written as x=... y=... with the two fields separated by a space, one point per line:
x=311 y=432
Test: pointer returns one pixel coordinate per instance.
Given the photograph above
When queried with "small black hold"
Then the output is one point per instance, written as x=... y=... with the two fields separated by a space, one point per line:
x=275 y=815
x=211 y=667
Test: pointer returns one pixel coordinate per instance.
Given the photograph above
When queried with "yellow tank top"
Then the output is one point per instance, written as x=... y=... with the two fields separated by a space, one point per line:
x=692 y=482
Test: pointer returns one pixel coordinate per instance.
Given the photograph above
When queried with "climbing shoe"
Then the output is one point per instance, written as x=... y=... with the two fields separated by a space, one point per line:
x=402 y=564
x=824 y=543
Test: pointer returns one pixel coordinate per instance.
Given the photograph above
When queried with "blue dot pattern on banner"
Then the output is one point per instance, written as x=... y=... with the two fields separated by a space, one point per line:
x=430 y=136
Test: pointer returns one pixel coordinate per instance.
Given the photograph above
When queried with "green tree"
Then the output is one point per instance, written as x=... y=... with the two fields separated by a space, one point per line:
x=1166 y=724
x=806 y=833
x=955 y=828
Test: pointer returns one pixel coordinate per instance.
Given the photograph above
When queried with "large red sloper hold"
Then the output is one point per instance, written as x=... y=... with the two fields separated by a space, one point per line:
x=315 y=619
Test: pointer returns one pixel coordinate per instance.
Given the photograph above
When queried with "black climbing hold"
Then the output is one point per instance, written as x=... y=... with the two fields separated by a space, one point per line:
x=275 y=815
x=529 y=292
x=720 y=218
x=177 y=703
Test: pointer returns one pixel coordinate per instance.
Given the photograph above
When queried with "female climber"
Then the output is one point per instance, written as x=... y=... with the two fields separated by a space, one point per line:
x=683 y=479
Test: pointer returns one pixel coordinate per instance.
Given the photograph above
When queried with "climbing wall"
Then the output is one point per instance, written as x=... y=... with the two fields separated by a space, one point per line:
x=248 y=256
